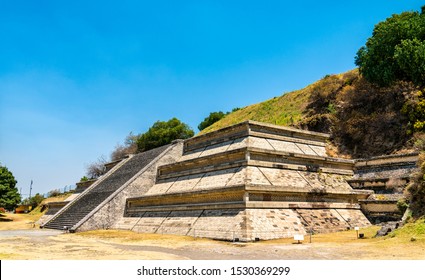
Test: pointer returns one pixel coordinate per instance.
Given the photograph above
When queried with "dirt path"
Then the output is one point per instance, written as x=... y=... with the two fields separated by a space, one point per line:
x=31 y=243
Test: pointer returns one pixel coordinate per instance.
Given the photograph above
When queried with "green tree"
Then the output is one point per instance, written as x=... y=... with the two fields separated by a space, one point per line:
x=34 y=201
x=396 y=50
x=9 y=195
x=410 y=57
x=163 y=133
x=212 y=118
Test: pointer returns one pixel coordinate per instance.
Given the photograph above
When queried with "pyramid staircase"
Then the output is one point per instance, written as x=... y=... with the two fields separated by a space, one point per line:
x=80 y=209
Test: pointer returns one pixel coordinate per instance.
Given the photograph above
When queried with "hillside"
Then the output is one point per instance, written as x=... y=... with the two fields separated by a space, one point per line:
x=363 y=120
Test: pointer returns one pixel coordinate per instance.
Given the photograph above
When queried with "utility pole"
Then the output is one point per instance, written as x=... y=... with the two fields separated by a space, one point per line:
x=30 y=189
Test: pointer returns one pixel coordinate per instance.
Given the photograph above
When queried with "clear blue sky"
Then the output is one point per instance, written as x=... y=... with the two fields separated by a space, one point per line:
x=77 y=77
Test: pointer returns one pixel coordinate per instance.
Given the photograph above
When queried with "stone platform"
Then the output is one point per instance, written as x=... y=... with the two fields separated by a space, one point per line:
x=249 y=181
x=387 y=177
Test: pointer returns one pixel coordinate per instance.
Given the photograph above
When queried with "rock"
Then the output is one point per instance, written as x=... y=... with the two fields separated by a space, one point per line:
x=387 y=228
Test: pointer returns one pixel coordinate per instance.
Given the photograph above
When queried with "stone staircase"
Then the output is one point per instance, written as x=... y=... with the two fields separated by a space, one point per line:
x=82 y=207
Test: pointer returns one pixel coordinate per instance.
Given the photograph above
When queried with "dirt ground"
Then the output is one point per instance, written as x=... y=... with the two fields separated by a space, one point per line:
x=21 y=239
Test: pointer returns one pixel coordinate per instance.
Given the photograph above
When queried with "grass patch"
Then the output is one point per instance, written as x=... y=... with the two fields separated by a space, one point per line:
x=410 y=232
x=19 y=221
x=284 y=110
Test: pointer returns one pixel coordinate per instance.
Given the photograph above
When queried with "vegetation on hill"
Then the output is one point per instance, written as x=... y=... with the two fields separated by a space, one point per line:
x=395 y=51
x=363 y=119
x=374 y=110
x=283 y=110
x=213 y=117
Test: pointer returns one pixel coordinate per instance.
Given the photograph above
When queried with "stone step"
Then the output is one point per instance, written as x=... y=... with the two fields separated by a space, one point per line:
x=86 y=203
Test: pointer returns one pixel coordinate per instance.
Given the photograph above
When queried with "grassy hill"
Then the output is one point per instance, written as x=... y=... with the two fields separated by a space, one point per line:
x=283 y=110
x=363 y=119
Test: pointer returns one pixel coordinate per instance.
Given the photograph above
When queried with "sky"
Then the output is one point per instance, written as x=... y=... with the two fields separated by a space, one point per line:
x=76 y=77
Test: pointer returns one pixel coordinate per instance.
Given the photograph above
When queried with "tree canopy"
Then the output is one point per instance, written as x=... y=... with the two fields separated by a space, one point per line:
x=162 y=133
x=9 y=195
x=34 y=201
x=212 y=118
x=395 y=51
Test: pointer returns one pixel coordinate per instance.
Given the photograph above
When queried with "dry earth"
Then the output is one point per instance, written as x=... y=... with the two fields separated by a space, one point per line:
x=21 y=239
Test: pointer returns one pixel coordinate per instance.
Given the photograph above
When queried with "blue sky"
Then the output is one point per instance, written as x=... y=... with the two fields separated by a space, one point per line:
x=77 y=76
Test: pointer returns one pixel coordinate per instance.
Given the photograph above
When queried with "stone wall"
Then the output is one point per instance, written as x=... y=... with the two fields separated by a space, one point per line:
x=387 y=177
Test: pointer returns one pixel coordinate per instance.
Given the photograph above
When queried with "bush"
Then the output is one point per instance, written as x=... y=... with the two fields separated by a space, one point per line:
x=54 y=193
x=84 y=179
x=402 y=205
x=34 y=201
x=212 y=118
x=163 y=133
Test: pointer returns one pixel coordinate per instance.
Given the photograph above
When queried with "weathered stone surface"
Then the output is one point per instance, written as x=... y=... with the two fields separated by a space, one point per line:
x=322 y=220
x=250 y=181
x=219 y=224
x=150 y=222
x=387 y=177
x=353 y=218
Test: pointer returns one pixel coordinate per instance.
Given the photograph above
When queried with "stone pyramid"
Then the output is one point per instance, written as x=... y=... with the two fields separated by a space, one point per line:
x=249 y=181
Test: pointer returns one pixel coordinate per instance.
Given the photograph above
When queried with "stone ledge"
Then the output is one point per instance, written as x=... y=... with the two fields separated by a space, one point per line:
x=131 y=212
x=249 y=156
x=388 y=160
x=250 y=128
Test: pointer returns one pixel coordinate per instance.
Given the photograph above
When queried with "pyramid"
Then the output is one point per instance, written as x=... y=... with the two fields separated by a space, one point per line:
x=247 y=182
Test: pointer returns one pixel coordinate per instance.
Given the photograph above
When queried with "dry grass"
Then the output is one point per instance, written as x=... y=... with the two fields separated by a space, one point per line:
x=12 y=221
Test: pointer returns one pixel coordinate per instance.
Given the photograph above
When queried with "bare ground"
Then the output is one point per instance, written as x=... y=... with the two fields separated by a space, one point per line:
x=21 y=239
